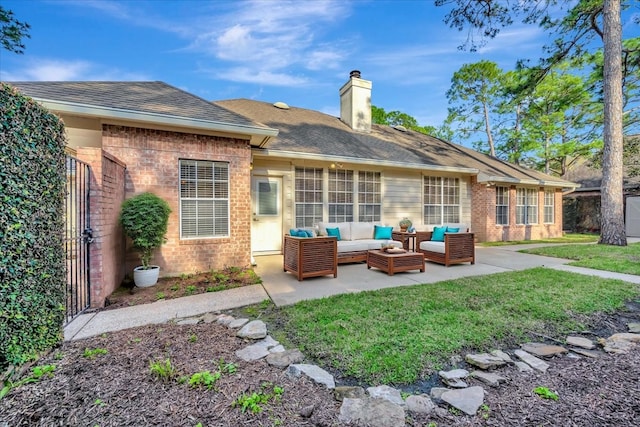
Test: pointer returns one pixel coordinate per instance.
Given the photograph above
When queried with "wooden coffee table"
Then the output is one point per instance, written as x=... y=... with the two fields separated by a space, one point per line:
x=393 y=263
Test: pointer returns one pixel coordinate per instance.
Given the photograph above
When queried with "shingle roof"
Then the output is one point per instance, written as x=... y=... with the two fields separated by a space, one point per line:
x=313 y=132
x=146 y=97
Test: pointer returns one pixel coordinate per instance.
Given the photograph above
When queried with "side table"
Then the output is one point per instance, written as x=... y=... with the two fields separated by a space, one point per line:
x=408 y=239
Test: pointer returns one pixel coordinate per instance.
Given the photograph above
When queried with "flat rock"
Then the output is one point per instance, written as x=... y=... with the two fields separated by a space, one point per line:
x=502 y=355
x=345 y=391
x=618 y=346
x=385 y=392
x=484 y=360
x=267 y=342
x=454 y=378
x=467 y=400
x=224 y=319
x=188 y=321
x=255 y=330
x=580 y=342
x=421 y=404
x=523 y=367
x=436 y=393
x=237 y=323
x=252 y=352
x=371 y=412
x=543 y=350
x=625 y=336
x=494 y=380
x=534 y=362
x=285 y=358
x=584 y=352
x=634 y=327
x=314 y=372
x=209 y=318
x=277 y=349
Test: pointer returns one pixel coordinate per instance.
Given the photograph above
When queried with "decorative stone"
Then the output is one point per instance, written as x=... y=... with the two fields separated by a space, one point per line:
x=314 y=372
x=188 y=321
x=307 y=411
x=619 y=347
x=224 y=319
x=581 y=342
x=467 y=400
x=285 y=358
x=436 y=393
x=344 y=391
x=237 y=323
x=209 y=318
x=277 y=349
x=420 y=404
x=588 y=353
x=385 y=392
x=454 y=377
x=371 y=412
x=502 y=355
x=491 y=379
x=625 y=336
x=523 y=367
x=254 y=330
x=252 y=352
x=532 y=361
x=267 y=342
x=634 y=327
x=543 y=350
x=484 y=360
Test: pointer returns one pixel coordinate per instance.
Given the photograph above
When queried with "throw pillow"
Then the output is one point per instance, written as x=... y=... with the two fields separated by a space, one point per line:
x=380 y=232
x=335 y=232
x=453 y=230
x=438 y=234
x=293 y=232
x=310 y=233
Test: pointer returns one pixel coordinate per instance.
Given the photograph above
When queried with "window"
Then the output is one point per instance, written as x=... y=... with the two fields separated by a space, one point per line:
x=204 y=199
x=340 y=196
x=526 y=206
x=549 y=206
x=369 y=196
x=502 y=205
x=308 y=196
x=441 y=200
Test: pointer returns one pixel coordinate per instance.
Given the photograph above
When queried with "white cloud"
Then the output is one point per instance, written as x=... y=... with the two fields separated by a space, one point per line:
x=265 y=77
x=44 y=69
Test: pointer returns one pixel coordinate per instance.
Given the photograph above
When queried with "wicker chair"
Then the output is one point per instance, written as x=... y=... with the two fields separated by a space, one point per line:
x=457 y=248
x=310 y=257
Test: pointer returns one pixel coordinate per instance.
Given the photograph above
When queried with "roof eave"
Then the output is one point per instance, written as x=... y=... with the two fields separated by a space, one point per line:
x=259 y=136
x=356 y=160
x=483 y=178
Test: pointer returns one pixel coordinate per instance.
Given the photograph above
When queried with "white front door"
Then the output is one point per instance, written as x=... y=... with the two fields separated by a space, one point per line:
x=266 y=228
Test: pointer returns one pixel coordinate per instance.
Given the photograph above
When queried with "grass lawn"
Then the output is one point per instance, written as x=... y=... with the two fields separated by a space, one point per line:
x=400 y=335
x=567 y=238
x=621 y=259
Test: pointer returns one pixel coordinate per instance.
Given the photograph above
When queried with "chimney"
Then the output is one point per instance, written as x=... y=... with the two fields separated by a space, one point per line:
x=355 y=103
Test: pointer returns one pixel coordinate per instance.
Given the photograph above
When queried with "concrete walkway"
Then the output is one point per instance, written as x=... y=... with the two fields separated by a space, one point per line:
x=284 y=289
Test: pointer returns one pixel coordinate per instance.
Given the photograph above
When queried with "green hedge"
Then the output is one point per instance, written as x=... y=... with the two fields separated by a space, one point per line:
x=32 y=269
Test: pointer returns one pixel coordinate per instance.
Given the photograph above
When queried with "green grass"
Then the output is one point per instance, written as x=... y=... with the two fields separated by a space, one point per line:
x=620 y=259
x=567 y=238
x=403 y=334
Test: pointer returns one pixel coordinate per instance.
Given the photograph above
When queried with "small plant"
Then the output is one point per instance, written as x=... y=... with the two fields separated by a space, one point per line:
x=545 y=393
x=485 y=411
x=164 y=370
x=190 y=290
x=92 y=353
x=405 y=223
x=174 y=287
x=37 y=373
x=205 y=378
x=193 y=338
x=99 y=402
x=227 y=368
x=216 y=288
x=160 y=295
x=252 y=402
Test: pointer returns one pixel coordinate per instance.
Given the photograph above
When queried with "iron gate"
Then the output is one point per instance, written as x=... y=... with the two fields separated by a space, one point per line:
x=78 y=236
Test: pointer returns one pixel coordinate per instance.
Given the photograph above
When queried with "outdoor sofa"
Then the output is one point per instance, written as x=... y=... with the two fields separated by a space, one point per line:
x=355 y=239
x=454 y=245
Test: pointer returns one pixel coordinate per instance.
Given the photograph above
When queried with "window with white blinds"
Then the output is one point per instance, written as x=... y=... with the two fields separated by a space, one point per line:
x=549 y=206
x=308 y=196
x=441 y=200
x=369 y=196
x=340 y=195
x=204 y=199
x=526 y=206
x=502 y=205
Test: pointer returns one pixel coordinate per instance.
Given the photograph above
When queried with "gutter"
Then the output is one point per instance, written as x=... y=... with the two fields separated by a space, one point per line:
x=510 y=180
x=356 y=160
x=162 y=119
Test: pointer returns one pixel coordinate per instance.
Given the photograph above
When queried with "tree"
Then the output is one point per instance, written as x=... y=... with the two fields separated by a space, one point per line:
x=583 y=22
x=12 y=31
x=396 y=118
x=475 y=89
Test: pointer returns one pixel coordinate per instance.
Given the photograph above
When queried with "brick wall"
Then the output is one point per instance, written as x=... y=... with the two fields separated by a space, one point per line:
x=152 y=165
x=106 y=267
x=484 y=217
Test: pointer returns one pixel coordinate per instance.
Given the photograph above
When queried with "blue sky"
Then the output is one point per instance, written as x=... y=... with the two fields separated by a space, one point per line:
x=298 y=52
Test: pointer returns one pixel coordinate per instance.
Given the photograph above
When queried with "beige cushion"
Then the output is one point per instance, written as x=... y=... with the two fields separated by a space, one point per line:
x=361 y=230
x=432 y=246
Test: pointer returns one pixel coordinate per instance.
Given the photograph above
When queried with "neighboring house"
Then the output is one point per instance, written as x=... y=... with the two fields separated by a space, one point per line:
x=239 y=174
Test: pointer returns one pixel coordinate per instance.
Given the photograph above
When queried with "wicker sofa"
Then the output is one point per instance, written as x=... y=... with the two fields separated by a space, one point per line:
x=457 y=247
x=356 y=239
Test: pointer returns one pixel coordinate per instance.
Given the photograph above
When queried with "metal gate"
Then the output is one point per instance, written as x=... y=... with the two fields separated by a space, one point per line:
x=78 y=236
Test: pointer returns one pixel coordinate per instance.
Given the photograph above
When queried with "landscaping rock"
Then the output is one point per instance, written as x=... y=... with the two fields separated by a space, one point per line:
x=467 y=400
x=532 y=361
x=314 y=372
x=267 y=342
x=454 y=377
x=344 y=391
x=385 y=392
x=502 y=355
x=252 y=352
x=307 y=411
x=436 y=393
x=580 y=342
x=209 y=318
x=484 y=360
x=543 y=350
x=625 y=336
x=224 y=319
x=634 y=327
x=237 y=323
x=371 y=412
x=588 y=353
x=523 y=367
x=421 y=404
x=491 y=379
x=285 y=358
x=277 y=349
x=255 y=330
x=188 y=321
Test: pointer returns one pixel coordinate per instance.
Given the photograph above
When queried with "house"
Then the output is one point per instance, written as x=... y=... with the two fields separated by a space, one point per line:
x=238 y=174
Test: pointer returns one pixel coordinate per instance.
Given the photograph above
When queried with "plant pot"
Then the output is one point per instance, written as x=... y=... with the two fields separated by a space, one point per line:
x=144 y=278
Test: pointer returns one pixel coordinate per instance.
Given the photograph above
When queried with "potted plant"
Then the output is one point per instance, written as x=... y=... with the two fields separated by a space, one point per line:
x=144 y=219
x=405 y=223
